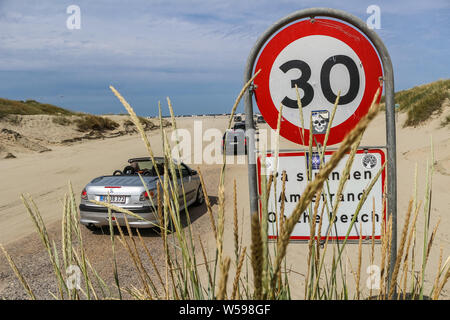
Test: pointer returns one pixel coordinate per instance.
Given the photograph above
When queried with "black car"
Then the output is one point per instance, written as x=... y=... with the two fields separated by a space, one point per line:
x=234 y=142
x=241 y=126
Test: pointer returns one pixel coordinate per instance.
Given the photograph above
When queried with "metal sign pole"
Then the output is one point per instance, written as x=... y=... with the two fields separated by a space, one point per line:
x=388 y=78
x=251 y=154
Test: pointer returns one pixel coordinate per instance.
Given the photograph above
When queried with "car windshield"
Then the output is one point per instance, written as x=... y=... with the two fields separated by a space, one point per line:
x=239 y=126
x=147 y=165
x=143 y=165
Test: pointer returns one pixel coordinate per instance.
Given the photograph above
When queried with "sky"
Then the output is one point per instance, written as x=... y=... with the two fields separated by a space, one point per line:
x=193 y=52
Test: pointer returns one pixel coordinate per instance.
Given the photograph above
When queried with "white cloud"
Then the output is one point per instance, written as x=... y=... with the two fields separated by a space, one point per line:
x=39 y=40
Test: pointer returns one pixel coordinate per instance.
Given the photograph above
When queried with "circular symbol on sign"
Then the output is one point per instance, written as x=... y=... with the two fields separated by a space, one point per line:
x=369 y=161
x=271 y=217
x=320 y=58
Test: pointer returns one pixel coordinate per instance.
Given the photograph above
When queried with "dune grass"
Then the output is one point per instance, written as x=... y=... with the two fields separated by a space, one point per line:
x=91 y=122
x=147 y=124
x=30 y=107
x=252 y=271
x=422 y=101
x=62 y=120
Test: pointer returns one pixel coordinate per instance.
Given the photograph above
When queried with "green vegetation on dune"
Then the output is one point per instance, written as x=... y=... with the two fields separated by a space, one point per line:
x=147 y=124
x=90 y=122
x=422 y=101
x=84 y=122
x=30 y=107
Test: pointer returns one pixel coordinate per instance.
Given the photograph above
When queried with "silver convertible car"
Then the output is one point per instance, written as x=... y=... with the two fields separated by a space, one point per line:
x=126 y=190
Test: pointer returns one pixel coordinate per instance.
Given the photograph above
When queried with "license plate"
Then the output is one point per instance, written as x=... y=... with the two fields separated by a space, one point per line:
x=114 y=199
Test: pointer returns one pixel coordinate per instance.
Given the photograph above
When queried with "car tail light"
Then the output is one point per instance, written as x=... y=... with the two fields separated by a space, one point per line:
x=145 y=196
x=84 y=195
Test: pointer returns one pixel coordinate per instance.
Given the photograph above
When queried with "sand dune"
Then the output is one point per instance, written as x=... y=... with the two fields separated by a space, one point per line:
x=24 y=134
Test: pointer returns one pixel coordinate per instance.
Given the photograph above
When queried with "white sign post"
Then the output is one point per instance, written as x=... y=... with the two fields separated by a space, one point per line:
x=365 y=166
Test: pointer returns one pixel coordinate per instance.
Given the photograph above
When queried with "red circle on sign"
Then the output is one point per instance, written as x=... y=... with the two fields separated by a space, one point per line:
x=326 y=27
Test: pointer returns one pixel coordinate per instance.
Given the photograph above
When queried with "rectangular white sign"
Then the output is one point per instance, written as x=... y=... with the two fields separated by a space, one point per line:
x=366 y=165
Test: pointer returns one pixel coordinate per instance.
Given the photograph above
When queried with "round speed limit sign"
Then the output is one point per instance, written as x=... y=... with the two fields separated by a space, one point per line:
x=321 y=57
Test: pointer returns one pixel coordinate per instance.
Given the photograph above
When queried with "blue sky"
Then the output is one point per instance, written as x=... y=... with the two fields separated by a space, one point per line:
x=192 y=51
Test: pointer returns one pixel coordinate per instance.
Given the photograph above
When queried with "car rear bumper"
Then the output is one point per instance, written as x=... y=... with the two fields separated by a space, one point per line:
x=234 y=149
x=98 y=216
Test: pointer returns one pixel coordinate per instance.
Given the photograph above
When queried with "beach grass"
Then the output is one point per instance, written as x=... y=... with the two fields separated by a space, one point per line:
x=420 y=102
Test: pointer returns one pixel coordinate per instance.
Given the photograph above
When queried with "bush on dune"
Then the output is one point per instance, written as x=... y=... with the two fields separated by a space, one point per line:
x=422 y=101
x=96 y=123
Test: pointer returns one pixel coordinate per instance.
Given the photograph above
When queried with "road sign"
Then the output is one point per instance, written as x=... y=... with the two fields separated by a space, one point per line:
x=365 y=166
x=320 y=57
x=360 y=34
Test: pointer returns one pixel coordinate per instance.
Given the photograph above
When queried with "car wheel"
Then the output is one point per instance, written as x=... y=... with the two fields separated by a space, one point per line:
x=117 y=173
x=200 y=196
x=128 y=170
